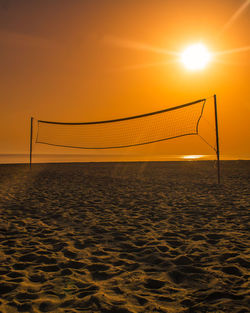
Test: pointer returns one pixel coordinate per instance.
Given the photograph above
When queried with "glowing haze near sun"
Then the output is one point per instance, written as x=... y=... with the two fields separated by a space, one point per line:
x=195 y=57
x=195 y=156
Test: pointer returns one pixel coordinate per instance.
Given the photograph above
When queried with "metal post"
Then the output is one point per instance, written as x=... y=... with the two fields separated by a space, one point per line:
x=31 y=139
x=217 y=139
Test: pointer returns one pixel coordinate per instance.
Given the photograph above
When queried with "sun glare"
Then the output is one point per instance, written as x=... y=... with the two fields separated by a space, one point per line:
x=195 y=57
x=192 y=157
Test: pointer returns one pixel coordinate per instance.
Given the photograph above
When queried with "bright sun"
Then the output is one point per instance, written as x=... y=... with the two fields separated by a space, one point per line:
x=195 y=57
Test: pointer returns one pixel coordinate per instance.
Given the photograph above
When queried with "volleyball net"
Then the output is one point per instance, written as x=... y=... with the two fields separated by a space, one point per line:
x=170 y=123
x=123 y=132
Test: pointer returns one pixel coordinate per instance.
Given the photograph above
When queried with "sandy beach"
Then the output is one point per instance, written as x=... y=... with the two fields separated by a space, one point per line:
x=124 y=237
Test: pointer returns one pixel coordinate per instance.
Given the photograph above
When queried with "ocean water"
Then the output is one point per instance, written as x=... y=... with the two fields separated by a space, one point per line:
x=54 y=158
x=60 y=158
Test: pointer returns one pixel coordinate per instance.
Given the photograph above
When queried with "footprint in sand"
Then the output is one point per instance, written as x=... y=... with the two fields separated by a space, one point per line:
x=79 y=245
x=44 y=259
x=7 y=287
x=14 y=274
x=101 y=271
x=154 y=284
x=47 y=306
x=69 y=254
x=25 y=307
x=177 y=276
x=30 y=257
x=49 y=268
x=72 y=265
x=182 y=260
x=23 y=296
x=218 y=295
x=37 y=278
x=21 y=266
x=232 y=270
x=87 y=291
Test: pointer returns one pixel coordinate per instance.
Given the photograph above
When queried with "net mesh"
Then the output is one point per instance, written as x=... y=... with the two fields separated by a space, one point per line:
x=125 y=132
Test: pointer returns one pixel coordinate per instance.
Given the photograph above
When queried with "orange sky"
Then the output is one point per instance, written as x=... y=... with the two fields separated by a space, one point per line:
x=85 y=60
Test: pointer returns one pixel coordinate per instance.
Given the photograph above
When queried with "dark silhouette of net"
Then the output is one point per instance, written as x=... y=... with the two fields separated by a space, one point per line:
x=131 y=131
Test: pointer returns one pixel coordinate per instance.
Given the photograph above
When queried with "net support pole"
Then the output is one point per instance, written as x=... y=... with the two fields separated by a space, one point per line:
x=217 y=138
x=31 y=139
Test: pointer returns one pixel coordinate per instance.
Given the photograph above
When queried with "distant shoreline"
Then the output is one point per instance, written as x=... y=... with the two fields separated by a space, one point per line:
x=23 y=158
x=125 y=162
